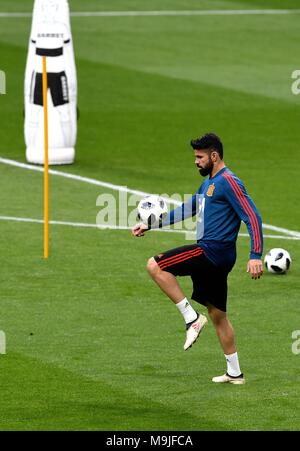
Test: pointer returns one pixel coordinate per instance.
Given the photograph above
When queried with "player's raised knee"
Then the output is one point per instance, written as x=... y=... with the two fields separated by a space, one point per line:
x=152 y=266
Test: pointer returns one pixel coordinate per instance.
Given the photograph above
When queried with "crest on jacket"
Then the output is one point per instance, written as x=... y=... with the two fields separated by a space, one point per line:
x=210 y=190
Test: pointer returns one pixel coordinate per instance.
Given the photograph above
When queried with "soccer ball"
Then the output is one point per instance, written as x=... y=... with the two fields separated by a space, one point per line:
x=152 y=210
x=277 y=261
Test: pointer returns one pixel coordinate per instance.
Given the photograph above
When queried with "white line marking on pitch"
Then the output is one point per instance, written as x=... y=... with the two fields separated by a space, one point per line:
x=111 y=186
x=214 y=12
x=79 y=178
x=114 y=227
x=81 y=224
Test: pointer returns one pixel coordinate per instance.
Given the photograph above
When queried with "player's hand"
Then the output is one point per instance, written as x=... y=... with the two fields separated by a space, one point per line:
x=139 y=230
x=255 y=268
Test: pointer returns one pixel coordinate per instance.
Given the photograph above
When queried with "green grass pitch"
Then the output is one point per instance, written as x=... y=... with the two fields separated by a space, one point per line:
x=92 y=344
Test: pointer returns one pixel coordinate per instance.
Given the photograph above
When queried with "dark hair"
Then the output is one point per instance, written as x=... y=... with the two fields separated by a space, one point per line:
x=209 y=141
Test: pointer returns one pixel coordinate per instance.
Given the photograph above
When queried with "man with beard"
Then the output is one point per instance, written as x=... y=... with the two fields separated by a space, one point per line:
x=221 y=203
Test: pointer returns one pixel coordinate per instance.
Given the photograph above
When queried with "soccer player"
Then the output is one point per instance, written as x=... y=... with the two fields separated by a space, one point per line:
x=221 y=203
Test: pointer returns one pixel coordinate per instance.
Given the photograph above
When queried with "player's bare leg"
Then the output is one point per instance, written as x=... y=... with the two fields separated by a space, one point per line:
x=225 y=333
x=167 y=282
x=223 y=328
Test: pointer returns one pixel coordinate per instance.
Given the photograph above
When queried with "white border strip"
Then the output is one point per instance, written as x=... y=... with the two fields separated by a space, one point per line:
x=214 y=12
x=113 y=227
x=30 y=167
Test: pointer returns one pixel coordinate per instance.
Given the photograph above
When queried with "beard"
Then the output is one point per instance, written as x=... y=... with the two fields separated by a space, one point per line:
x=207 y=169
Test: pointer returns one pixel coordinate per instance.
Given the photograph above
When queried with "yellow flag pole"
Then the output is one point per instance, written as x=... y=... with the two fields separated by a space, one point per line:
x=46 y=167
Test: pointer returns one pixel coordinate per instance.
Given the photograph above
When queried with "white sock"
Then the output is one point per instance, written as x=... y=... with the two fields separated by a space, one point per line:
x=186 y=310
x=233 y=367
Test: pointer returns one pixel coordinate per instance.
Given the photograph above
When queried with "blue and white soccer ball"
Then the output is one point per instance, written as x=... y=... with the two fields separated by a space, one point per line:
x=151 y=210
x=278 y=261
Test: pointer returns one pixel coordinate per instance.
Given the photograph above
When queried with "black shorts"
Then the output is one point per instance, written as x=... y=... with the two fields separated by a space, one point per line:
x=209 y=280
